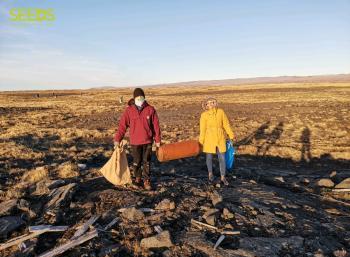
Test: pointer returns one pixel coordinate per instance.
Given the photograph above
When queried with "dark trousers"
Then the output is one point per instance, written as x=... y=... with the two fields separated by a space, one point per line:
x=141 y=155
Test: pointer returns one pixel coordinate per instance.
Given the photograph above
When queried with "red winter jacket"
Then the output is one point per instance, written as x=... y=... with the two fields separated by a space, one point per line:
x=144 y=124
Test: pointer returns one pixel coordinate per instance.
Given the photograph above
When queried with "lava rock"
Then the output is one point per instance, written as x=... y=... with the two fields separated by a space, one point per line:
x=344 y=184
x=133 y=214
x=216 y=198
x=163 y=239
x=166 y=204
x=325 y=182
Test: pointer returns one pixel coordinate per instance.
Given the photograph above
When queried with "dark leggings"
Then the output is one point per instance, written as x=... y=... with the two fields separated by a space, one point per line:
x=141 y=155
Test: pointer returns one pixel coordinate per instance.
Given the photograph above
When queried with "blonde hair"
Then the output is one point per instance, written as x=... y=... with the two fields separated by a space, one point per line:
x=205 y=102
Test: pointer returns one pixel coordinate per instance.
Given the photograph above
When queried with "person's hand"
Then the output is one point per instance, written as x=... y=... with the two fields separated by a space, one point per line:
x=157 y=145
x=116 y=144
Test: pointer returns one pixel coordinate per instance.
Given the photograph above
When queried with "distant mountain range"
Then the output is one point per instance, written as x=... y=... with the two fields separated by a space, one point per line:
x=258 y=80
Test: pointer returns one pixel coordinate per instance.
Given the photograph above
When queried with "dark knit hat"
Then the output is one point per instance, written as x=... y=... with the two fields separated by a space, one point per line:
x=138 y=92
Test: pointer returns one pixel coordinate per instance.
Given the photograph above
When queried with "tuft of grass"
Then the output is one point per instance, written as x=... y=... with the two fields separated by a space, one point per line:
x=68 y=170
x=35 y=175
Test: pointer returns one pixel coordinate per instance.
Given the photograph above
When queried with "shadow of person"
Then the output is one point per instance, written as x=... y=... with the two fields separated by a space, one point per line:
x=258 y=134
x=306 y=146
x=271 y=139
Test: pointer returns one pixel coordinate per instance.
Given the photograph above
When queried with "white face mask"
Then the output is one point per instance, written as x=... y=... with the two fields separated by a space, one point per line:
x=139 y=101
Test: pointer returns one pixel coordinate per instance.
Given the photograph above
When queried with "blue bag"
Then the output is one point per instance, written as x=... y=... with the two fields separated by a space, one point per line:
x=229 y=155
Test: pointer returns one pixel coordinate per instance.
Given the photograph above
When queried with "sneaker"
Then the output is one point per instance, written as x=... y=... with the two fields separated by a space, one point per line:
x=211 y=177
x=224 y=181
x=147 y=184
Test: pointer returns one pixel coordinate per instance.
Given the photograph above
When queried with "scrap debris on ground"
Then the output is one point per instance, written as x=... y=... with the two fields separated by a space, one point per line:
x=287 y=196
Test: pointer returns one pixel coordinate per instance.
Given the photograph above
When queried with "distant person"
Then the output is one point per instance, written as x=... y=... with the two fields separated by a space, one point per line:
x=142 y=119
x=213 y=125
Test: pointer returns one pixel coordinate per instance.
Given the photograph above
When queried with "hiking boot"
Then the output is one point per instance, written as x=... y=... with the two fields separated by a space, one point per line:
x=147 y=184
x=137 y=183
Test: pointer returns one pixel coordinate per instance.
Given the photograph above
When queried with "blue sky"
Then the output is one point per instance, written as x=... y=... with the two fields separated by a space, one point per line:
x=130 y=43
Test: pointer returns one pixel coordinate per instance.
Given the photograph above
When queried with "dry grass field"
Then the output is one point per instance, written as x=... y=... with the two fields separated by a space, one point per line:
x=288 y=137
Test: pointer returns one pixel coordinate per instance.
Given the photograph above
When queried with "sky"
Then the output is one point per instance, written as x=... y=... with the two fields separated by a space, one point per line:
x=95 y=43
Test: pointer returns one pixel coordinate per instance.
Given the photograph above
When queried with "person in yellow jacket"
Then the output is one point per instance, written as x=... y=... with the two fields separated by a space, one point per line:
x=213 y=125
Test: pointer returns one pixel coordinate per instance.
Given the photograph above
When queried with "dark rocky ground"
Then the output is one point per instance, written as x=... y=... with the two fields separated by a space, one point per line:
x=281 y=196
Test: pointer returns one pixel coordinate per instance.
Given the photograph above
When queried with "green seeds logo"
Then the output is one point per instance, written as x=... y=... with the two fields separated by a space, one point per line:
x=32 y=15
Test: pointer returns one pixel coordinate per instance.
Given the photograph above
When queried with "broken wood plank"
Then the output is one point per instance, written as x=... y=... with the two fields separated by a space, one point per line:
x=201 y=224
x=232 y=233
x=224 y=232
x=47 y=228
x=158 y=229
x=72 y=243
x=111 y=224
x=341 y=190
x=36 y=231
x=141 y=209
x=18 y=240
x=85 y=227
x=59 y=197
x=221 y=238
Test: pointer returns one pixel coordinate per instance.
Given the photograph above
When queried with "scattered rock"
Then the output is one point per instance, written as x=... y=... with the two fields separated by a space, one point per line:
x=41 y=188
x=216 y=198
x=166 y=204
x=340 y=253
x=305 y=181
x=325 y=182
x=133 y=214
x=210 y=216
x=161 y=240
x=82 y=166
x=333 y=174
x=227 y=214
x=344 y=184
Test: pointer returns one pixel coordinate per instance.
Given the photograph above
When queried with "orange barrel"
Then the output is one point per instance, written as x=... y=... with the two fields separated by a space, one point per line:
x=178 y=150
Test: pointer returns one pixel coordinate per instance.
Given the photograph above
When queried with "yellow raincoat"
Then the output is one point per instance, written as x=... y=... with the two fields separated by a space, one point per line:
x=213 y=123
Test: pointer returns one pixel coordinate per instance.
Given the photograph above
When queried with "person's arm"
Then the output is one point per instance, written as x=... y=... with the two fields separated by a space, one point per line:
x=123 y=125
x=156 y=127
x=227 y=126
x=203 y=128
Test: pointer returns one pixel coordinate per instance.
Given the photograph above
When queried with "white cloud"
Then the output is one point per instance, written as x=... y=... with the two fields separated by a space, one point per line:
x=42 y=67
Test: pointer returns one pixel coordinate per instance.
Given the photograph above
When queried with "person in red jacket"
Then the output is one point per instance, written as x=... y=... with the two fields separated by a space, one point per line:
x=142 y=119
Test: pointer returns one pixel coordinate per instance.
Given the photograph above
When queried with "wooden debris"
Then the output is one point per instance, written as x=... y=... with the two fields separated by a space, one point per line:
x=85 y=227
x=18 y=240
x=72 y=243
x=141 y=209
x=47 y=228
x=158 y=229
x=224 y=232
x=201 y=224
x=341 y=190
x=221 y=238
x=111 y=224
x=36 y=231
x=59 y=197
